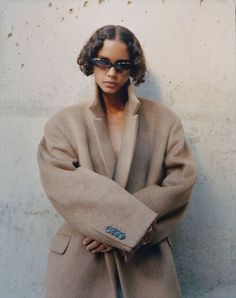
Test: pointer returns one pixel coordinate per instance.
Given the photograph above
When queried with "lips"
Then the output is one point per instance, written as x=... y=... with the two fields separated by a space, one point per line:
x=111 y=83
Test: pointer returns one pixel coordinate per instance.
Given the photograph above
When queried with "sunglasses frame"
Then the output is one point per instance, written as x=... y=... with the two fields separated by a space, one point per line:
x=109 y=64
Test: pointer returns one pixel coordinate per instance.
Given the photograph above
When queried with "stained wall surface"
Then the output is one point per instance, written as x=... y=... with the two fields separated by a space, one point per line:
x=189 y=46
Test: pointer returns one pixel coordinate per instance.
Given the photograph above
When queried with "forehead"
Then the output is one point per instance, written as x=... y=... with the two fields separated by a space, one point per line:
x=114 y=50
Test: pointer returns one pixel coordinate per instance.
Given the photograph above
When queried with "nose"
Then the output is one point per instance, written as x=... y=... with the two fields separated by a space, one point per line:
x=111 y=71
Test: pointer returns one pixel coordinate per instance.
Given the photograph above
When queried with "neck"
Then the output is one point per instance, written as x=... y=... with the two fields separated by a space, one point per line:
x=113 y=103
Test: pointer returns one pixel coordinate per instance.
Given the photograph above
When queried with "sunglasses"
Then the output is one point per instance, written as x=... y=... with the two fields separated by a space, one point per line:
x=105 y=64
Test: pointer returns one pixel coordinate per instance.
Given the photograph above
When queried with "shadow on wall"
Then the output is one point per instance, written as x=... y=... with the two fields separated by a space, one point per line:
x=201 y=259
x=150 y=88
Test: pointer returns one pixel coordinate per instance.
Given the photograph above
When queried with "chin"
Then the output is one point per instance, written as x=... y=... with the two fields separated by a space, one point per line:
x=110 y=90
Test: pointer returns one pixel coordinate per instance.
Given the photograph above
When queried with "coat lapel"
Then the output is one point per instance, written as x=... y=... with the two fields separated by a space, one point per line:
x=108 y=166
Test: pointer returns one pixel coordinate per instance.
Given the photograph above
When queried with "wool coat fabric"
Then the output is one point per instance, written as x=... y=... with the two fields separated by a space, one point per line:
x=151 y=179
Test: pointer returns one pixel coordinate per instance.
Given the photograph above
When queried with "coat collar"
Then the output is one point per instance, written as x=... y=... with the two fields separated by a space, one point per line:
x=119 y=169
x=131 y=107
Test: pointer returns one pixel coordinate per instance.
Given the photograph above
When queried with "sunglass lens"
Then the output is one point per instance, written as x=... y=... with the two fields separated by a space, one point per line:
x=102 y=63
x=121 y=67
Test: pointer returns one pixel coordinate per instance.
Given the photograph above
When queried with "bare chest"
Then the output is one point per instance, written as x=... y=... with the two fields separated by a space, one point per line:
x=115 y=125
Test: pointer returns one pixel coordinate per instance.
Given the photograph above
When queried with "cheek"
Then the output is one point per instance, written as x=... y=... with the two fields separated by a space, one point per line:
x=97 y=75
x=125 y=78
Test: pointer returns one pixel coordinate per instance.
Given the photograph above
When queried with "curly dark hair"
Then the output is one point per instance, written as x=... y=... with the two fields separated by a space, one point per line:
x=95 y=43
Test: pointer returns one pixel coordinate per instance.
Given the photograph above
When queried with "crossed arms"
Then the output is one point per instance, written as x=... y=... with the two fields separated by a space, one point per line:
x=83 y=197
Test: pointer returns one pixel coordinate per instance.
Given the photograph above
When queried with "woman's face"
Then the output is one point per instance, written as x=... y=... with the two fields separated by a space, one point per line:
x=113 y=50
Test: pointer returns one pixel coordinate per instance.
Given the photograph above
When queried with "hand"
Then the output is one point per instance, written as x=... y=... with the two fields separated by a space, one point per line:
x=150 y=234
x=95 y=246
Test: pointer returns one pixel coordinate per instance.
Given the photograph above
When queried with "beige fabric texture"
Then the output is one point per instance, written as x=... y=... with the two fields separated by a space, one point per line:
x=151 y=180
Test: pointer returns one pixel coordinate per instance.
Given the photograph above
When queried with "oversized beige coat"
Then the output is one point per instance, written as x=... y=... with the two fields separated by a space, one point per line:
x=152 y=179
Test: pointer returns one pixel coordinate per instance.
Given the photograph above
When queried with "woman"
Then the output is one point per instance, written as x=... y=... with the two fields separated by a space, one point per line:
x=119 y=171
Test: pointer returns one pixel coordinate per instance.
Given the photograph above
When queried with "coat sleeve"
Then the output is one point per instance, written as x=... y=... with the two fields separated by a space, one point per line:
x=91 y=203
x=170 y=199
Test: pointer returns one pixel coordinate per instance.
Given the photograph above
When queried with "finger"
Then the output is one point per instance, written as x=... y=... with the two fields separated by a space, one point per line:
x=99 y=248
x=93 y=245
x=144 y=242
x=155 y=227
x=147 y=239
x=102 y=248
x=151 y=235
x=87 y=240
x=106 y=248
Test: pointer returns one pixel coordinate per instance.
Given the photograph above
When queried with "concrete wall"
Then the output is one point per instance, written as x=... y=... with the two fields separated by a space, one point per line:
x=190 y=47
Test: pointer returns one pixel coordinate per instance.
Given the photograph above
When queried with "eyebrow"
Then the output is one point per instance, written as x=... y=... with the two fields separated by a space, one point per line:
x=119 y=60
